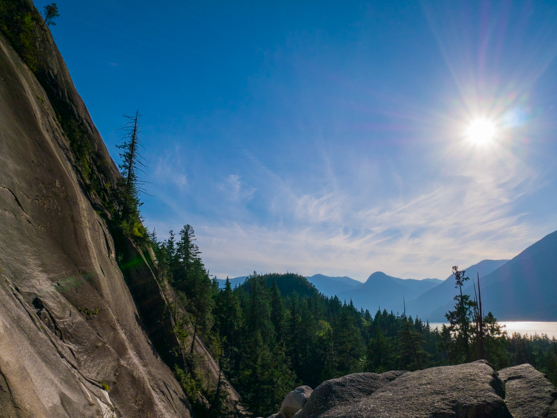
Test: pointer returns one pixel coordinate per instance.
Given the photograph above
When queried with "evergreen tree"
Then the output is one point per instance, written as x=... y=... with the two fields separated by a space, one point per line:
x=495 y=342
x=411 y=356
x=348 y=346
x=323 y=365
x=229 y=323
x=295 y=334
x=172 y=256
x=201 y=302
x=277 y=313
x=379 y=354
x=128 y=185
x=50 y=12
x=461 y=325
x=187 y=249
x=281 y=379
x=257 y=390
x=258 y=311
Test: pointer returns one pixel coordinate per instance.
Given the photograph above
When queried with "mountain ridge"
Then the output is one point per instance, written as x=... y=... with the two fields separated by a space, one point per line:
x=523 y=287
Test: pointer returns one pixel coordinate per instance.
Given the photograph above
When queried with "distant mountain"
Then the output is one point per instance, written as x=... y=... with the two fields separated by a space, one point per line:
x=525 y=288
x=435 y=302
x=330 y=286
x=236 y=281
x=386 y=292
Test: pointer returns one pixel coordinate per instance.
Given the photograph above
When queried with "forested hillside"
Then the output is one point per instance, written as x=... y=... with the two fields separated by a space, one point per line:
x=276 y=331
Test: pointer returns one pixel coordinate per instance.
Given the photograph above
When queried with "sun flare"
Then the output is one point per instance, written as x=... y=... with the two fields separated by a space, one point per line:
x=481 y=131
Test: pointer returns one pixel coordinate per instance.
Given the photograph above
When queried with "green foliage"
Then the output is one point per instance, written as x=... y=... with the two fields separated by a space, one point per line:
x=469 y=334
x=127 y=217
x=22 y=26
x=412 y=355
x=80 y=144
x=348 y=344
x=188 y=383
x=461 y=324
x=88 y=312
x=50 y=12
x=494 y=342
x=379 y=355
x=105 y=387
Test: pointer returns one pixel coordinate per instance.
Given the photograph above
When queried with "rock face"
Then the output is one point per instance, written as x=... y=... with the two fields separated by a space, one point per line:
x=72 y=341
x=473 y=390
x=295 y=401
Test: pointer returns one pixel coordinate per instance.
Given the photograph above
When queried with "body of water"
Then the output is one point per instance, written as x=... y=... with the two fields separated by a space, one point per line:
x=522 y=327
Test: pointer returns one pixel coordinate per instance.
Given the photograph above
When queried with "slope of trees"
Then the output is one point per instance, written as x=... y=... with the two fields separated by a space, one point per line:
x=276 y=332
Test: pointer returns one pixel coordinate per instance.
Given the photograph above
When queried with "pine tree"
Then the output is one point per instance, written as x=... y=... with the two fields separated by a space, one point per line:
x=185 y=256
x=323 y=355
x=254 y=379
x=461 y=323
x=347 y=344
x=494 y=342
x=50 y=12
x=412 y=356
x=229 y=323
x=200 y=295
x=281 y=379
x=129 y=184
x=258 y=310
x=277 y=313
x=295 y=334
x=379 y=354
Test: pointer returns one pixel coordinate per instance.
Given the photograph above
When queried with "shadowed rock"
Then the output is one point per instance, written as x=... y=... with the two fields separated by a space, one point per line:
x=467 y=390
x=528 y=393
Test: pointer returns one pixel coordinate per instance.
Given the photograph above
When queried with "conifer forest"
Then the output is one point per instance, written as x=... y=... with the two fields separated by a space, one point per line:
x=276 y=331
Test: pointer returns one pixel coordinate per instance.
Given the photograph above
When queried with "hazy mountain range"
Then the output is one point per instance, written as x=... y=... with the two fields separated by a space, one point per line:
x=523 y=288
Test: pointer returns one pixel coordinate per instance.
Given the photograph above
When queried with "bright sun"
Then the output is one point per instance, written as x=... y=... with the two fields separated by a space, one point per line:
x=481 y=131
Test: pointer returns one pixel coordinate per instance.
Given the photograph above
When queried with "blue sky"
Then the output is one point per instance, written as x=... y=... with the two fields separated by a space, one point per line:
x=329 y=137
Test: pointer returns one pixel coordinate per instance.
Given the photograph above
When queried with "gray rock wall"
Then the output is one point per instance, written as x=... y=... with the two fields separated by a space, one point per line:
x=68 y=323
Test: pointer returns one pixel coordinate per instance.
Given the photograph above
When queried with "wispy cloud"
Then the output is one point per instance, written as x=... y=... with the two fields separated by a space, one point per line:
x=169 y=170
x=236 y=190
x=458 y=219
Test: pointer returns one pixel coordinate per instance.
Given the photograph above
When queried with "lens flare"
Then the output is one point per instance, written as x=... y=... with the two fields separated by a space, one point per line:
x=481 y=131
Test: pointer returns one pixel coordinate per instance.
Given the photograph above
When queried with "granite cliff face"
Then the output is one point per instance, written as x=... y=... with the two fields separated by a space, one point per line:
x=73 y=342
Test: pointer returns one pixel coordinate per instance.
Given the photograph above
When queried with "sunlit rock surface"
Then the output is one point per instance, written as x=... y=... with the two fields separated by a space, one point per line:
x=71 y=338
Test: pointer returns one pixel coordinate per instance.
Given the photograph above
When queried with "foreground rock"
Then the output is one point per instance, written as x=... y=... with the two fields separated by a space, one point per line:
x=295 y=401
x=345 y=390
x=528 y=393
x=473 y=390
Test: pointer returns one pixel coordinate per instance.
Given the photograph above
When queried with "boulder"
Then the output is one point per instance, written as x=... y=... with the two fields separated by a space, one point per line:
x=466 y=390
x=528 y=394
x=295 y=401
x=345 y=390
